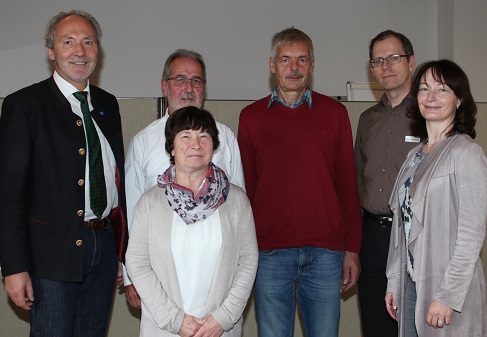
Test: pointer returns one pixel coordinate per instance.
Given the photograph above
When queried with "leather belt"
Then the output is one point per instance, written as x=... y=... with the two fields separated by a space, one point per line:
x=381 y=219
x=97 y=223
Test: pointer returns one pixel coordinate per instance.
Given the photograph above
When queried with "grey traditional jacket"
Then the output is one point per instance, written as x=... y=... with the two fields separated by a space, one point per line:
x=150 y=265
x=449 y=206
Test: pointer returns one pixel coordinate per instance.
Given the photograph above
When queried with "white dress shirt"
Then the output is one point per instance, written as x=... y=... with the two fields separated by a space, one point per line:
x=109 y=163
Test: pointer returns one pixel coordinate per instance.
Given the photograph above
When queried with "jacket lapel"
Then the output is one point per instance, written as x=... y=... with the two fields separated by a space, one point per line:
x=419 y=188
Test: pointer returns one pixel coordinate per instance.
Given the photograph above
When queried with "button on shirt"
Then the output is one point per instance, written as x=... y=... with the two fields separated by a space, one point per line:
x=382 y=143
x=109 y=164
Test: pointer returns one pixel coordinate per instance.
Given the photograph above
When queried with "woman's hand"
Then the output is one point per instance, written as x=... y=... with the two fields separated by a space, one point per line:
x=391 y=305
x=191 y=325
x=438 y=315
x=211 y=328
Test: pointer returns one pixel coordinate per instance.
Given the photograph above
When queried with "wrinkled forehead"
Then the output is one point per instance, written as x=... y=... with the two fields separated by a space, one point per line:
x=295 y=48
x=186 y=66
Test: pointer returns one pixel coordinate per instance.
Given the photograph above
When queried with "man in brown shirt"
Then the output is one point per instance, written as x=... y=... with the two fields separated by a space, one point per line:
x=383 y=140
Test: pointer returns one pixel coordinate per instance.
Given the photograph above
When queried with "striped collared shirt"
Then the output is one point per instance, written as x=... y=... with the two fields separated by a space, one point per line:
x=306 y=98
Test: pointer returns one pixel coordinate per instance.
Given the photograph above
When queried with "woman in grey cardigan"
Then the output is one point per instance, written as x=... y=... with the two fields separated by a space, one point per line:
x=192 y=252
x=436 y=284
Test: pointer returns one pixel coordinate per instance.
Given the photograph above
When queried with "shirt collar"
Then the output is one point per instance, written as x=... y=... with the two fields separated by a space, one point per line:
x=306 y=98
x=385 y=101
x=166 y=115
x=67 y=88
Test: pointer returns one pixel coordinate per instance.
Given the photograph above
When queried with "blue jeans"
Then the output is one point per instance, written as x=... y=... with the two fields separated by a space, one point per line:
x=72 y=309
x=312 y=275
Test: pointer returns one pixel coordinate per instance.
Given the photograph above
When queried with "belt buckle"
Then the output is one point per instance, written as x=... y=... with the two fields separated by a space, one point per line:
x=98 y=223
x=384 y=221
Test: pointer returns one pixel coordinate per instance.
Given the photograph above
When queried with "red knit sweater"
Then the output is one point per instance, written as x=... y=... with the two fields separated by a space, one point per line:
x=300 y=174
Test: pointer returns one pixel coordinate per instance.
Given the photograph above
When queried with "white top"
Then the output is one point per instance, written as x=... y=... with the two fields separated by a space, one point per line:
x=195 y=249
x=109 y=163
x=147 y=158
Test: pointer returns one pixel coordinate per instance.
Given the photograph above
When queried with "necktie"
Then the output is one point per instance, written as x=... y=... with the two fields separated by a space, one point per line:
x=98 y=191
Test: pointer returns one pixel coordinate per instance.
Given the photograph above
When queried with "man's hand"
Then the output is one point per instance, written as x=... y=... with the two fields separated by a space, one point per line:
x=350 y=270
x=119 y=274
x=132 y=296
x=19 y=289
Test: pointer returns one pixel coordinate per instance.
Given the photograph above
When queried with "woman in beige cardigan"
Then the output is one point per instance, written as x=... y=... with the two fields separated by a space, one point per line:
x=192 y=252
x=436 y=284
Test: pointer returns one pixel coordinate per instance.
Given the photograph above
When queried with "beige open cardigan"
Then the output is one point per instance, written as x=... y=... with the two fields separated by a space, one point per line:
x=151 y=268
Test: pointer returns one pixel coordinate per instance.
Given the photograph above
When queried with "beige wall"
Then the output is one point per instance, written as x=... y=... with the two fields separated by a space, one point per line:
x=136 y=114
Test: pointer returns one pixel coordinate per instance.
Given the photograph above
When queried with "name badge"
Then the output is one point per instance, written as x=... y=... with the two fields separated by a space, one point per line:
x=411 y=139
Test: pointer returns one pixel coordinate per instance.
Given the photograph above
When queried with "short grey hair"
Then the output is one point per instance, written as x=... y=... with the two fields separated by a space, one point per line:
x=291 y=35
x=166 y=72
x=52 y=24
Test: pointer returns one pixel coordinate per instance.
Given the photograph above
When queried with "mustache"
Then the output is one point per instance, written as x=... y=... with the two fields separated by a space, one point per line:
x=188 y=95
x=295 y=74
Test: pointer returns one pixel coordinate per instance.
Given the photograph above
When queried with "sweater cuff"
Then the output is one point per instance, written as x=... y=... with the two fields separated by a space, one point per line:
x=223 y=319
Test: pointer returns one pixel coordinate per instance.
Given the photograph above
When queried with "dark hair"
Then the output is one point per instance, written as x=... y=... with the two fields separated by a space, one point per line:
x=406 y=44
x=52 y=24
x=291 y=35
x=449 y=73
x=180 y=53
x=189 y=118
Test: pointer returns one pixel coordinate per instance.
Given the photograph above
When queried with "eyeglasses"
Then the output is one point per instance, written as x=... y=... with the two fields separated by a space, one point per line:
x=391 y=60
x=181 y=81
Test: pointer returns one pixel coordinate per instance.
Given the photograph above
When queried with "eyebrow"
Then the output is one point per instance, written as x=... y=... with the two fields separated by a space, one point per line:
x=86 y=37
x=189 y=78
x=440 y=83
x=384 y=57
x=298 y=57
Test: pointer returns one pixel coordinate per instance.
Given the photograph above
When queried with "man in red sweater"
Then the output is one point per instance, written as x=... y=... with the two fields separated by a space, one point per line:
x=297 y=156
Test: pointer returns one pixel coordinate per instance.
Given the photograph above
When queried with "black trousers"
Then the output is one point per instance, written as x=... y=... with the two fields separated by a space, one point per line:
x=372 y=285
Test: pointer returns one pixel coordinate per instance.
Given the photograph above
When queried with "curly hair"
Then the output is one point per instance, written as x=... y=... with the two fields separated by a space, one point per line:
x=449 y=73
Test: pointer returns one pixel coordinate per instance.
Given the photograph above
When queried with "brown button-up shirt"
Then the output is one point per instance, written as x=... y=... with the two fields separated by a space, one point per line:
x=382 y=143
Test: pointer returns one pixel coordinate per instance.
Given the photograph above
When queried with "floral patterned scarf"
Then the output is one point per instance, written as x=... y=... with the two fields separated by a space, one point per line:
x=212 y=193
